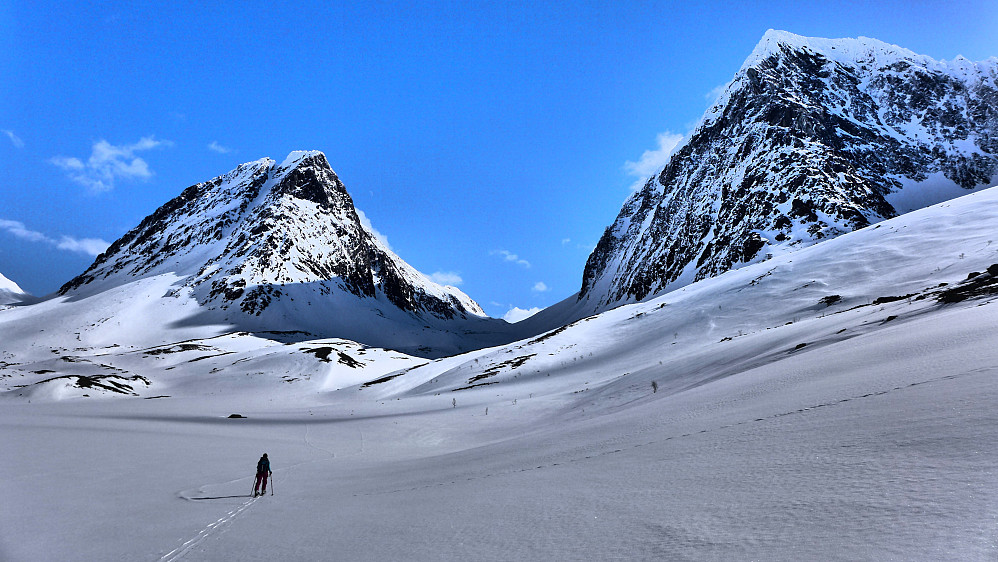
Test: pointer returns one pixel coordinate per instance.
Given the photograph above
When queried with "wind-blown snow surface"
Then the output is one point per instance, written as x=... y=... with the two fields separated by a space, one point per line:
x=832 y=404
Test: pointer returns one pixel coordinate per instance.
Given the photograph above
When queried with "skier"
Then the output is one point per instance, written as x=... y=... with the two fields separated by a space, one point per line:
x=262 y=472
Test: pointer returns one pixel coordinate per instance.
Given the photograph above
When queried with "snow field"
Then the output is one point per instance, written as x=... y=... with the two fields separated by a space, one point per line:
x=887 y=454
x=786 y=425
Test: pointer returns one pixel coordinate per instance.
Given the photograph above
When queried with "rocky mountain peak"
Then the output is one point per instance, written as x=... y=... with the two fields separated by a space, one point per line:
x=307 y=175
x=811 y=139
x=244 y=241
x=860 y=50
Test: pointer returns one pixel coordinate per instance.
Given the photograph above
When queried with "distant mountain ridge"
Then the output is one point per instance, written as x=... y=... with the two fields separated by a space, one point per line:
x=811 y=139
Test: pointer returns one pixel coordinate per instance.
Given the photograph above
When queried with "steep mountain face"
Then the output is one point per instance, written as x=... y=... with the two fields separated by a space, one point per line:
x=812 y=138
x=248 y=243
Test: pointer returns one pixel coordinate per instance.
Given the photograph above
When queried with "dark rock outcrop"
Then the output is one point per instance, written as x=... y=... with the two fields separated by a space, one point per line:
x=242 y=239
x=811 y=139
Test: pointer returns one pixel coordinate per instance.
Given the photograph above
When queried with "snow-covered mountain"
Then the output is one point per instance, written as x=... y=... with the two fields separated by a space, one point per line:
x=242 y=236
x=280 y=247
x=811 y=139
x=10 y=293
x=910 y=267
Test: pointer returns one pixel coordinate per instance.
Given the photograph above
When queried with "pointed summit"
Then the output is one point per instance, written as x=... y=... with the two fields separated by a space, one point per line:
x=862 y=50
x=812 y=138
x=278 y=247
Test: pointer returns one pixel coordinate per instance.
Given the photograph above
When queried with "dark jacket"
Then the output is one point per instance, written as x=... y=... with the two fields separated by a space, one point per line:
x=263 y=465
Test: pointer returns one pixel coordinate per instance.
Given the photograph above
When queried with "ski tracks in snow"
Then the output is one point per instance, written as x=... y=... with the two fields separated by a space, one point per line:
x=215 y=526
x=312 y=445
x=183 y=549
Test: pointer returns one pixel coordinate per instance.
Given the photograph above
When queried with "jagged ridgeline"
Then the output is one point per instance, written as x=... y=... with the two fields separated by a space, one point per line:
x=811 y=139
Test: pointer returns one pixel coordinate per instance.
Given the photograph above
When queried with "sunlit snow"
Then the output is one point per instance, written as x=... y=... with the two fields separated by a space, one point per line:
x=836 y=403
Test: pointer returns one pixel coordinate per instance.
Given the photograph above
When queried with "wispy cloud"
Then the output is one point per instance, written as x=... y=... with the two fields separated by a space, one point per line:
x=215 y=147
x=715 y=94
x=19 y=230
x=517 y=314
x=447 y=278
x=652 y=161
x=88 y=246
x=16 y=140
x=366 y=223
x=540 y=287
x=108 y=163
x=511 y=257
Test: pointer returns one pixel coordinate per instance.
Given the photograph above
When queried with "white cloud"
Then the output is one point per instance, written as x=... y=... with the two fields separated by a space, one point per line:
x=652 y=161
x=68 y=163
x=19 y=230
x=715 y=94
x=215 y=147
x=517 y=314
x=447 y=278
x=14 y=138
x=108 y=163
x=540 y=287
x=511 y=257
x=88 y=246
x=366 y=223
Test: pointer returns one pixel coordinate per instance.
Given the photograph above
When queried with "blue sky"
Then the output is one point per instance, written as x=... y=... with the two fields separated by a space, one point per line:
x=489 y=142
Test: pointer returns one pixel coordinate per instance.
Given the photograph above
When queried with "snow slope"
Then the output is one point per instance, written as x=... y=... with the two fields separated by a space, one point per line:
x=832 y=404
x=10 y=293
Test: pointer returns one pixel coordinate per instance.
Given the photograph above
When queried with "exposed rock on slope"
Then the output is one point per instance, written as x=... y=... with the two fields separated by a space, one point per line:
x=811 y=139
x=280 y=247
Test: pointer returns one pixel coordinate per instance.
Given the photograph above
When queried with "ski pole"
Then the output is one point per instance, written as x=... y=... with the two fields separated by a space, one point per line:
x=271 y=483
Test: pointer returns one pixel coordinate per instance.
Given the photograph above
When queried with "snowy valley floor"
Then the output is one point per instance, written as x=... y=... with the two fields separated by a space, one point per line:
x=836 y=403
x=874 y=448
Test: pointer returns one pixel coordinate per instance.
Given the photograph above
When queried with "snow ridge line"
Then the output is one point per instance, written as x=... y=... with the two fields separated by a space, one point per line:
x=621 y=449
x=183 y=549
